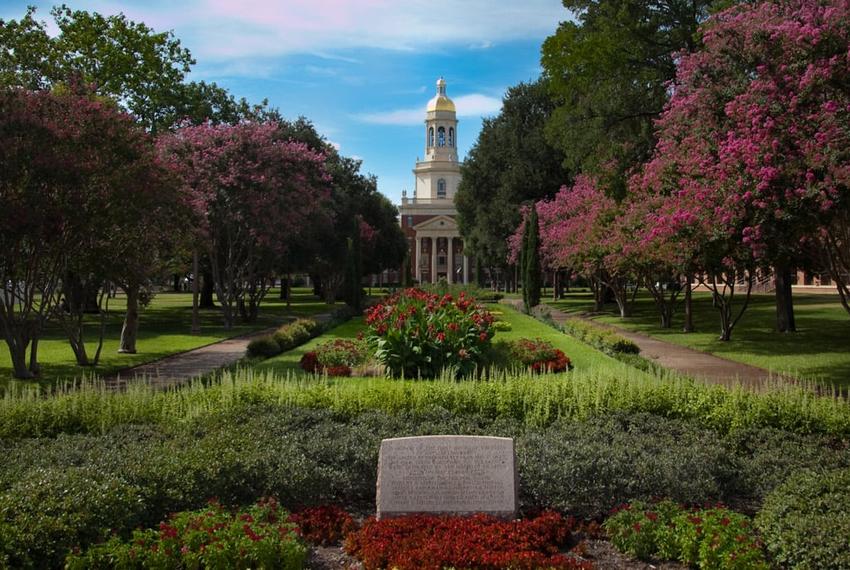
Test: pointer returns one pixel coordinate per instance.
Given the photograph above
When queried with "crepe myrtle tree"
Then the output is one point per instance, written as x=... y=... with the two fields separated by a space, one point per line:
x=74 y=175
x=758 y=127
x=252 y=193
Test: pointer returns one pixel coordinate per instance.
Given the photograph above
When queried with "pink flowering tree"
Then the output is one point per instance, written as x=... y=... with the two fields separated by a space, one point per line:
x=576 y=235
x=252 y=194
x=755 y=140
x=80 y=189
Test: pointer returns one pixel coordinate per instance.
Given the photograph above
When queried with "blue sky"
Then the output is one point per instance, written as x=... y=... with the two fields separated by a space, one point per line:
x=361 y=70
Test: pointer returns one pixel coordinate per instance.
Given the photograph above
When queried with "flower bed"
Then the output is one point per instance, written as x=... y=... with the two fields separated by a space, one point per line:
x=259 y=537
x=713 y=538
x=419 y=334
x=480 y=541
x=538 y=356
x=323 y=525
x=336 y=357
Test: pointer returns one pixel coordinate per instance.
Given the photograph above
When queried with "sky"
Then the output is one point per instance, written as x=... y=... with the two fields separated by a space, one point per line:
x=360 y=70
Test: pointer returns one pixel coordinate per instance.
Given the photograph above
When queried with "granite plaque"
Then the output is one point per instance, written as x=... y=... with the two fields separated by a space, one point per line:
x=456 y=474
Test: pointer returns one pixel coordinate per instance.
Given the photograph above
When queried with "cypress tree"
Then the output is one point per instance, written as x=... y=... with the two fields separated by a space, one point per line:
x=532 y=279
x=523 y=256
x=354 y=273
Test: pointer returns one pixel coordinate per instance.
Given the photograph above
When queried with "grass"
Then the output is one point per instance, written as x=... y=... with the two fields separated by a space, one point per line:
x=819 y=351
x=164 y=329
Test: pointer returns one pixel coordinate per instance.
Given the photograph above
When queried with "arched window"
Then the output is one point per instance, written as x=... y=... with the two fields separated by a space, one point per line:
x=441 y=136
x=441 y=188
x=451 y=136
x=431 y=136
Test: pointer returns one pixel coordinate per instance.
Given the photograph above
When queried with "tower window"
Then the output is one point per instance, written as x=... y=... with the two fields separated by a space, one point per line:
x=431 y=137
x=441 y=136
x=451 y=136
x=441 y=188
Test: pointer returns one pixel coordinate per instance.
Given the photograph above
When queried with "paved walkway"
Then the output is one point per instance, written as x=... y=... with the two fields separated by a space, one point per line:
x=692 y=363
x=179 y=368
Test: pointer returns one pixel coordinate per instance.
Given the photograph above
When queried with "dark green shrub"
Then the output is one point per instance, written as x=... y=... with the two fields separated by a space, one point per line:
x=263 y=347
x=805 y=521
x=312 y=327
x=588 y=468
x=598 y=337
x=291 y=335
x=52 y=510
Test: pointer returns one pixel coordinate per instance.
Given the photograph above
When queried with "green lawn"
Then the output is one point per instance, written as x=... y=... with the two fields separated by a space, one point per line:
x=819 y=350
x=164 y=329
x=582 y=355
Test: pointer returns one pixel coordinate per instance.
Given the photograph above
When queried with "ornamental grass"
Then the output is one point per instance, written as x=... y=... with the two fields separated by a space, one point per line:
x=534 y=400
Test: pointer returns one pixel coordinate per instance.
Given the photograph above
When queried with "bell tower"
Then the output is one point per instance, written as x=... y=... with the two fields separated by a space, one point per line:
x=441 y=126
x=438 y=175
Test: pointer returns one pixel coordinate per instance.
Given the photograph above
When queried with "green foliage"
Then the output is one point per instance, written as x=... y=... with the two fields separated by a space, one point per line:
x=343 y=352
x=609 y=70
x=53 y=509
x=712 y=538
x=502 y=326
x=531 y=277
x=69 y=490
x=291 y=335
x=263 y=347
x=258 y=537
x=510 y=163
x=534 y=400
x=804 y=521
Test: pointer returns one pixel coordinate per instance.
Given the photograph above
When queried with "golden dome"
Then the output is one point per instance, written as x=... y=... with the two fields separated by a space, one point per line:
x=441 y=102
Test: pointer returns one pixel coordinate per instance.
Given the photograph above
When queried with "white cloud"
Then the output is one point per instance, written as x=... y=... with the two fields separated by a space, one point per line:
x=228 y=29
x=471 y=105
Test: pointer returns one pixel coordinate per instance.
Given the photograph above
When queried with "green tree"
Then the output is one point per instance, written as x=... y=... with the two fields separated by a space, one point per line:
x=511 y=163
x=531 y=262
x=141 y=69
x=609 y=69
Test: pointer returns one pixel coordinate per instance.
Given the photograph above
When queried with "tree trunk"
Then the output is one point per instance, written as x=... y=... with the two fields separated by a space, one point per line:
x=689 y=315
x=176 y=282
x=207 y=290
x=35 y=369
x=129 y=332
x=18 y=352
x=784 y=301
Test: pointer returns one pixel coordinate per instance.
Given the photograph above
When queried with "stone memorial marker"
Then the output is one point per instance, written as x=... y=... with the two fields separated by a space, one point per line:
x=452 y=474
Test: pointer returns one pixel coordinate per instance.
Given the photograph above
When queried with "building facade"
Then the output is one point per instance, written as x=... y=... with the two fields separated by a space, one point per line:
x=428 y=218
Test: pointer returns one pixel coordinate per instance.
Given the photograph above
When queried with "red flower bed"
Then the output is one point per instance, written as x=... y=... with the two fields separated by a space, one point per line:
x=540 y=356
x=480 y=541
x=323 y=525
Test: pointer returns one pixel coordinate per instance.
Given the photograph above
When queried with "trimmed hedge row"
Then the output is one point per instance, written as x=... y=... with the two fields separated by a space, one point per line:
x=294 y=334
x=59 y=493
x=601 y=338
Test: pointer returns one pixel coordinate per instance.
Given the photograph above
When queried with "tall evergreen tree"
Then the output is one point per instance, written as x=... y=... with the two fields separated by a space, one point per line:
x=523 y=256
x=532 y=277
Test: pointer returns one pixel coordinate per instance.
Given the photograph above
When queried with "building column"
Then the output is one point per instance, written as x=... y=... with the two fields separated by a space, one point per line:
x=417 y=263
x=433 y=260
x=450 y=265
x=465 y=270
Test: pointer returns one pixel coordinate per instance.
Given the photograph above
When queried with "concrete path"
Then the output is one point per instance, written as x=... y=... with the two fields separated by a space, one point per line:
x=179 y=368
x=692 y=363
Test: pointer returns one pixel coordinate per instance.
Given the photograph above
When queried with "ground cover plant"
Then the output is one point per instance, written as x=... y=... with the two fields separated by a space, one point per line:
x=480 y=541
x=711 y=538
x=538 y=356
x=817 y=351
x=336 y=357
x=165 y=329
x=257 y=537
